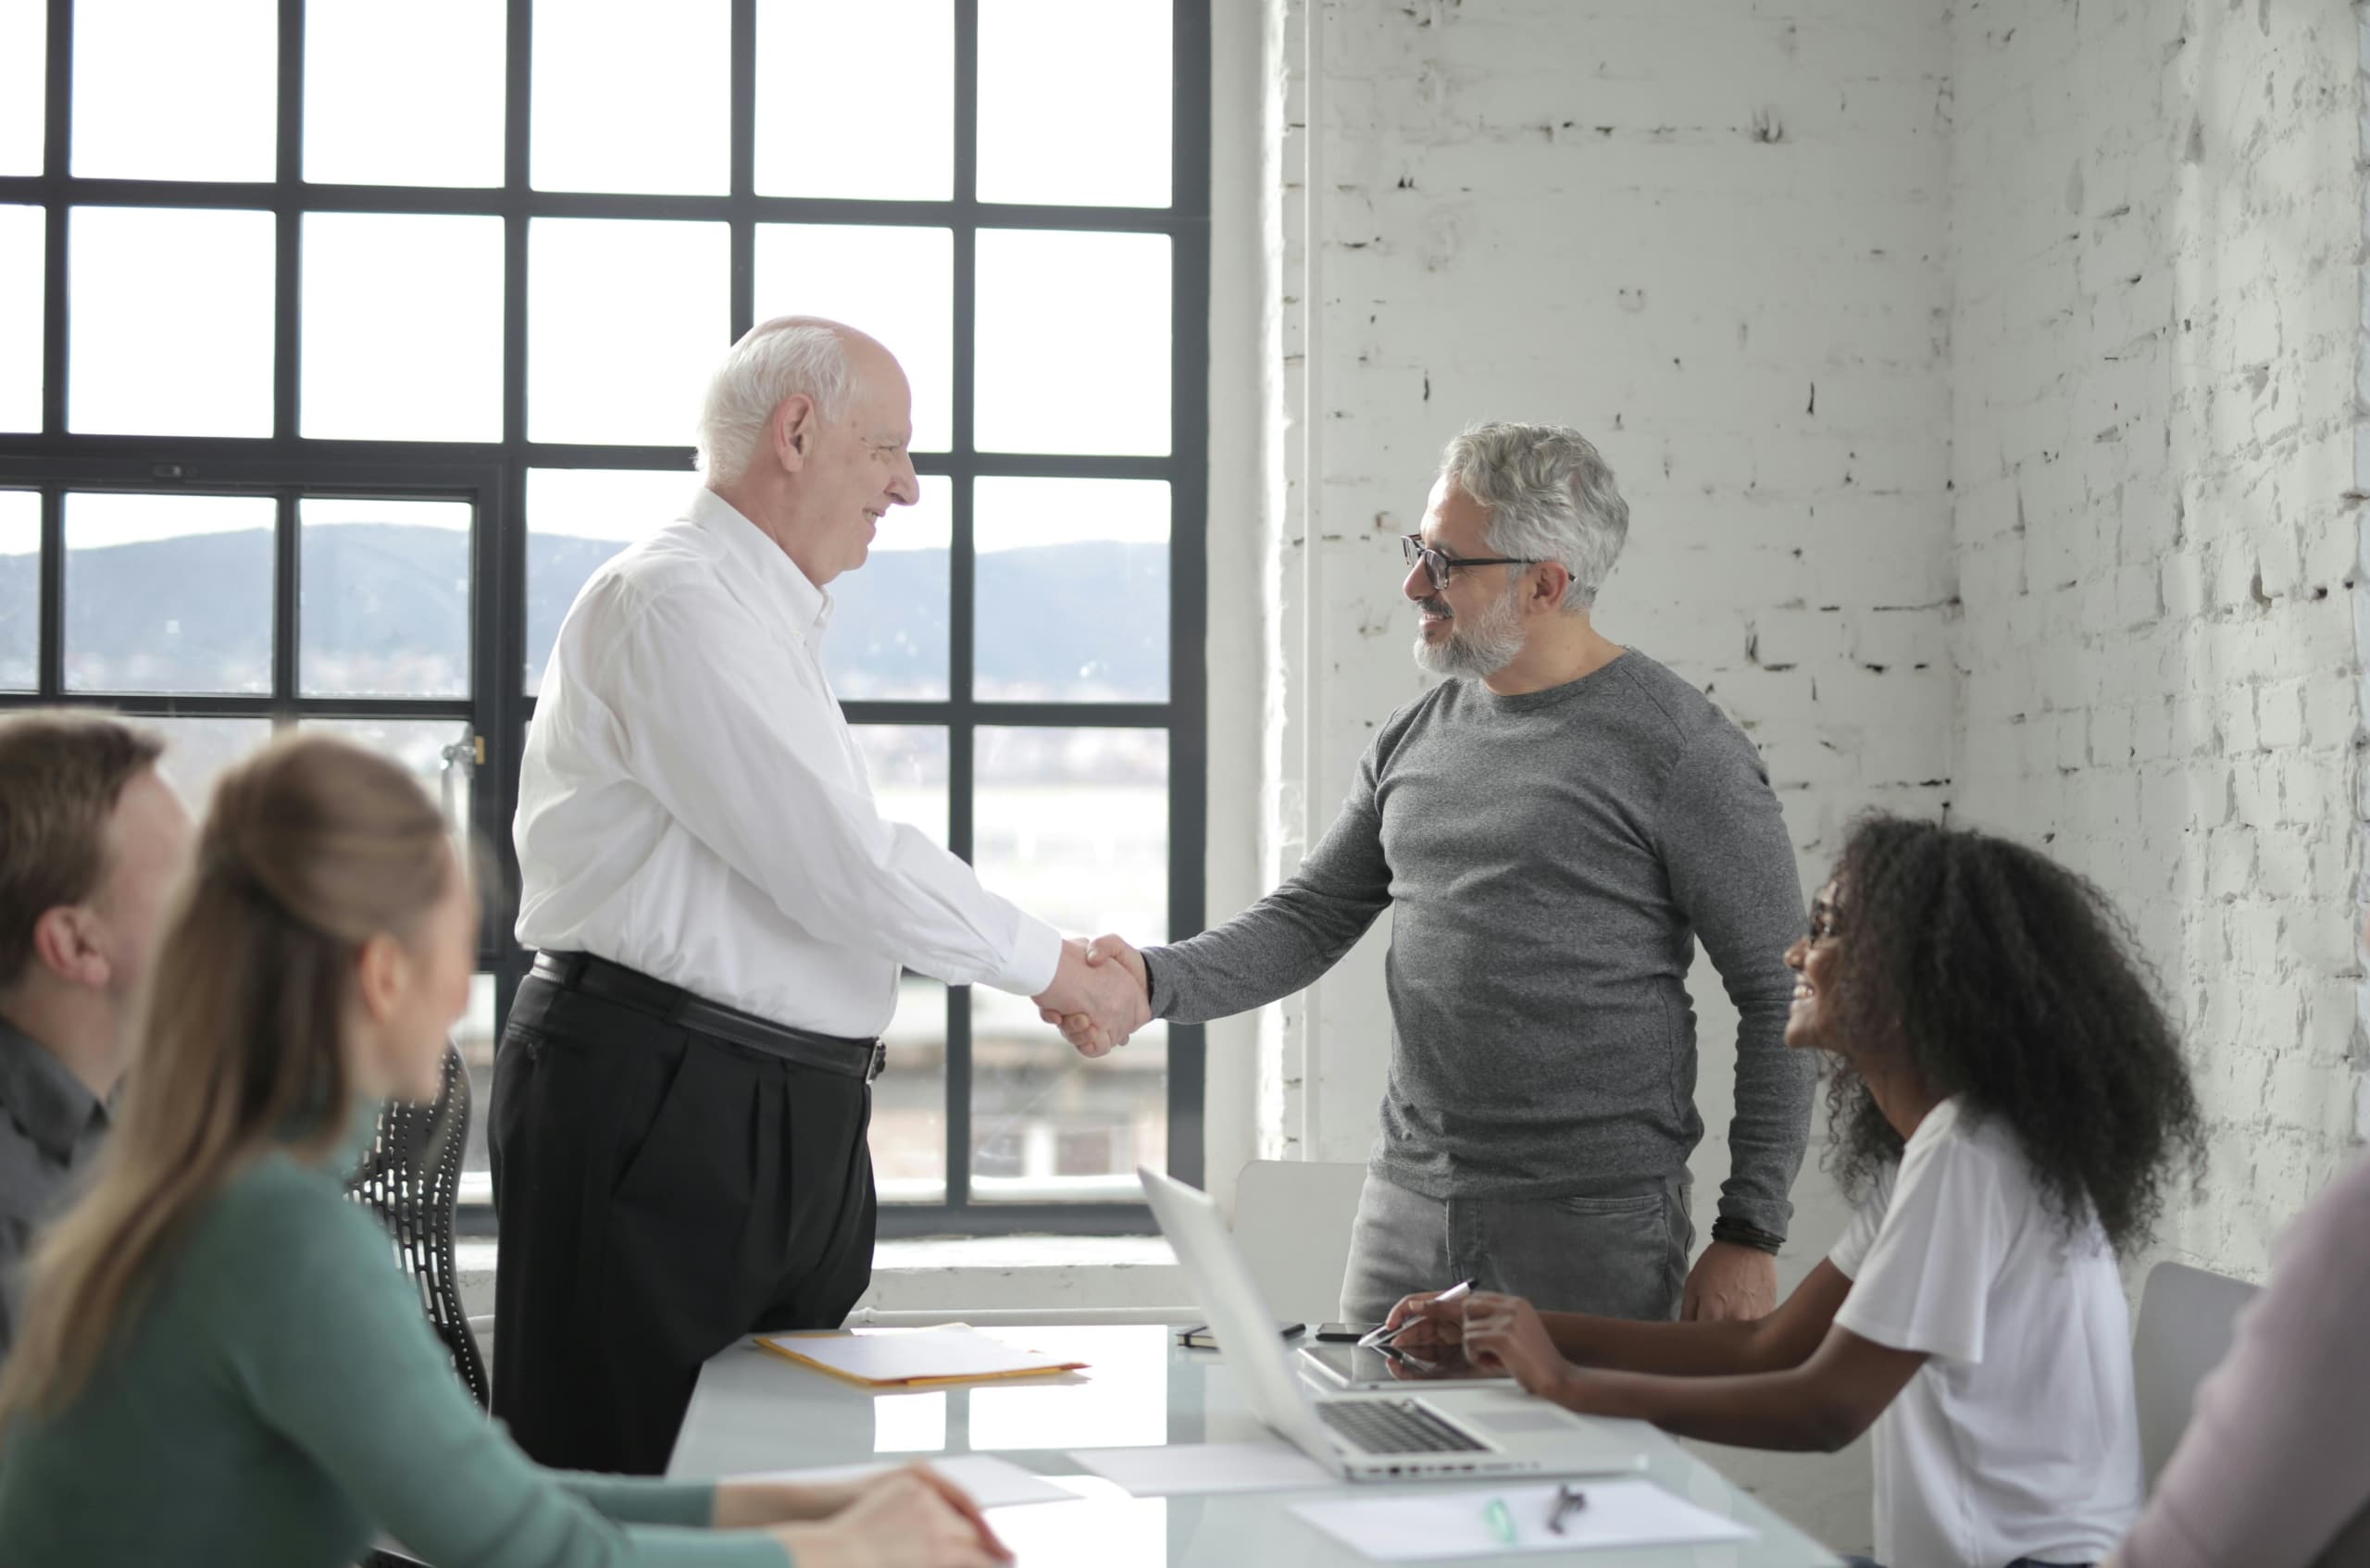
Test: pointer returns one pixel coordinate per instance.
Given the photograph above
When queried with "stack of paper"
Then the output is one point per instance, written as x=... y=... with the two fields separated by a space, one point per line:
x=1462 y=1523
x=909 y=1358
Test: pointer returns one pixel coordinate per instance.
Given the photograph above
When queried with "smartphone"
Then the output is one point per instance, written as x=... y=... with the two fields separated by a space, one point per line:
x=1344 y=1333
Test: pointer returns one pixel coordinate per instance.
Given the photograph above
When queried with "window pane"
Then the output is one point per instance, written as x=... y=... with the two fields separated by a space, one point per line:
x=24 y=42
x=19 y=589
x=475 y=1033
x=1073 y=342
x=419 y=744
x=1074 y=102
x=578 y=519
x=1073 y=589
x=385 y=605
x=167 y=90
x=214 y=375
x=909 y=1099
x=888 y=636
x=197 y=749
x=1072 y=826
x=907 y=148
x=897 y=284
x=22 y=230
x=403 y=328
x=168 y=592
x=629 y=99
x=908 y=765
x=626 y=320
x=408 y=95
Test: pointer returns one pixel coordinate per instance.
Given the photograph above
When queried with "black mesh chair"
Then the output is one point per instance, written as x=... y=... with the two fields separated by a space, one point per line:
x=410 y=1179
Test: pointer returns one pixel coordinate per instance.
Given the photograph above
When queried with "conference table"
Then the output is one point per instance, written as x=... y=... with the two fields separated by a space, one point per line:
x=755 y=1411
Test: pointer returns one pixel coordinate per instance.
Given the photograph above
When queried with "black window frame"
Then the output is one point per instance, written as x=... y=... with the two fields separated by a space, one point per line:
x=493 y=475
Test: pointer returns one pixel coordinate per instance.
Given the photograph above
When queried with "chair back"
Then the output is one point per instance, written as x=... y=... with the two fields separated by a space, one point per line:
x=2185 y=1317
x=411 y=1179
x=1292 y=1219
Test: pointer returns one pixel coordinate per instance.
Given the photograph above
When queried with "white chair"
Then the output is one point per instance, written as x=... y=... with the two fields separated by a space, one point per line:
x=1292 y=1218
x=2184 y=1329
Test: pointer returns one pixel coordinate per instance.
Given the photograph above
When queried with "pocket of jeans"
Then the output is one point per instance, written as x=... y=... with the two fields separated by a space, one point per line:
x=1613 y=1207
x=1605 y=1253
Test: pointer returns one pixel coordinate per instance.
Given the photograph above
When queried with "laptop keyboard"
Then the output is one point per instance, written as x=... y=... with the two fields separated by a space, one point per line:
x=1384 y=1426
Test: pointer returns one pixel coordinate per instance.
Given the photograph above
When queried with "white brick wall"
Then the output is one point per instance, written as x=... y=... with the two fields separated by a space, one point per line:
x=2155 y=216
x=1981 y=378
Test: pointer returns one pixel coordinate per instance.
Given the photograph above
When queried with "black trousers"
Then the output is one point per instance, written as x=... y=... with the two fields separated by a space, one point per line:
x=661 y=1194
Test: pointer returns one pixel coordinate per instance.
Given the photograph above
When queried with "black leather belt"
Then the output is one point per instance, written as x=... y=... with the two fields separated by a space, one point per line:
x=628 y=987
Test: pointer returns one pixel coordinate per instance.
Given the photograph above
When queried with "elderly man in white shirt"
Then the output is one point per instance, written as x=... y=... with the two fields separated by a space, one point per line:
x=721 y=915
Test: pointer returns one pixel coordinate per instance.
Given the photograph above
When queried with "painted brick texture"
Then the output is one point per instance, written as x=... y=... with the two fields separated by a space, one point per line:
x=2156 y=217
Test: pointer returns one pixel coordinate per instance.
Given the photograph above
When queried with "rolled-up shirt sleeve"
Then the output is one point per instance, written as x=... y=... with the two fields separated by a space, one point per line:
x=736 y=752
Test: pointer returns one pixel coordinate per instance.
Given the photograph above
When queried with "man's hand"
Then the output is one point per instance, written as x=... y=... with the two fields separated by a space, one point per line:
x=1098 y=1003
x=1729 y=1282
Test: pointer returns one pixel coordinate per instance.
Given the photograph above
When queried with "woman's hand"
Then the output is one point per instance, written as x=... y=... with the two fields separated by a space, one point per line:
x=1415 y=1328
x=909 y=1518
x=1505 y=1334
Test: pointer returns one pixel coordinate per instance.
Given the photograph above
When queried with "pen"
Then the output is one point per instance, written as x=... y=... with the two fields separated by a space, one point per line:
x=1453 y=1293
x=1502 y=1523
x=1566 y=1500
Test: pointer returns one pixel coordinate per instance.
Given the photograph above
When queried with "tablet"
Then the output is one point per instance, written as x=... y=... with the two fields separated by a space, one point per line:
x=1352 y=1366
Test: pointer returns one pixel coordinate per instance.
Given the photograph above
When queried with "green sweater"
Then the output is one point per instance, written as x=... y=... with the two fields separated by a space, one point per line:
x=279 y=1398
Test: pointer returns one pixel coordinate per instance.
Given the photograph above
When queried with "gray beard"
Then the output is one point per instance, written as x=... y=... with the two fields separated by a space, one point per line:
x=1478 y=650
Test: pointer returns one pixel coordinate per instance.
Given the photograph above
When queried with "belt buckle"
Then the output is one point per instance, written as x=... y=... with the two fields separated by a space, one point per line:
x=880 y=1061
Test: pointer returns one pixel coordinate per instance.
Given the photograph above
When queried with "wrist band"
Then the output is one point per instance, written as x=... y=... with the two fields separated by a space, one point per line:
x=1744 y=1235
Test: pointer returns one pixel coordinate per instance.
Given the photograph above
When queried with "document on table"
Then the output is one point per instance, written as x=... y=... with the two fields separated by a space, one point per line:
x=885 y=1358
x=992 y=1482
x=1196 y=1469
x=1457 y=1524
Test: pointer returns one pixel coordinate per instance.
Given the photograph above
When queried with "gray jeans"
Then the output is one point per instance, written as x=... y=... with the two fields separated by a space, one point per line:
x=1617 y=1253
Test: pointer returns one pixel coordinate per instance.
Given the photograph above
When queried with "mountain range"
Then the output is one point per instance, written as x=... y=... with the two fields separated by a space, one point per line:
x=386 y=609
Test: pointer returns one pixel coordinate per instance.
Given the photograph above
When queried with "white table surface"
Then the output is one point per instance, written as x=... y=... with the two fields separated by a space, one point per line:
x=754 y=1410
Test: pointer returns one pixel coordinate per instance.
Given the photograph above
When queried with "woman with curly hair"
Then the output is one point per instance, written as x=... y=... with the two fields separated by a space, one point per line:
x=2009 y=1103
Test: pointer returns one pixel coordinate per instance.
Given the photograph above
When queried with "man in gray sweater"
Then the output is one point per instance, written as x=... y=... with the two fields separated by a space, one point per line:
x=1553 y=827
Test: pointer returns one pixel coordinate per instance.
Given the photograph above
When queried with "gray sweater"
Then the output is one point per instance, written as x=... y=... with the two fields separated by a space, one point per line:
x=1549 y=859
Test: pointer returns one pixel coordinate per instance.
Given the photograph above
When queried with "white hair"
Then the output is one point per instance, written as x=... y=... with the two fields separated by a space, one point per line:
x=773 y=360
x=1550 y=498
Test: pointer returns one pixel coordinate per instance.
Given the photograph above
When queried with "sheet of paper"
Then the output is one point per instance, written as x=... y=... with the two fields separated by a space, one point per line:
x=994 y=1483
x=904 y=1355
x=1456 y=1523
x=1193 y=1469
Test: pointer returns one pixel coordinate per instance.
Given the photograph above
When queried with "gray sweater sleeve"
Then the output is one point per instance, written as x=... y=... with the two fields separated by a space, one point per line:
x=1286 y=940
x=1731 y=869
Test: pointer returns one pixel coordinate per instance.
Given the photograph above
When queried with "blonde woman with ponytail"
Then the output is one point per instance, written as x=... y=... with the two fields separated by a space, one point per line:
x=219 y=1361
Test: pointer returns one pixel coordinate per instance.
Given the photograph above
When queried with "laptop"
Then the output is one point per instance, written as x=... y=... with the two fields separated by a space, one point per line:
x=1446 y=1433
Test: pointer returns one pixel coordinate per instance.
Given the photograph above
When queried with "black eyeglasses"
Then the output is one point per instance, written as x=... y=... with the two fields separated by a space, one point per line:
x=1438 y=563
x=1824 y=925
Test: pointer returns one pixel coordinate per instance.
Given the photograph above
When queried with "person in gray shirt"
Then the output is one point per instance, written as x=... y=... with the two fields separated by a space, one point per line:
x=1553 y=827
x=92 y=839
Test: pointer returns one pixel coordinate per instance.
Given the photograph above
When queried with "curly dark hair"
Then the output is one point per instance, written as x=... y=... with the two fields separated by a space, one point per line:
x=2013 y=983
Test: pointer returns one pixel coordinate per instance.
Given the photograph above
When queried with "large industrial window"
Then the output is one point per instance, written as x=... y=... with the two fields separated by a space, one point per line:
x=339 y=342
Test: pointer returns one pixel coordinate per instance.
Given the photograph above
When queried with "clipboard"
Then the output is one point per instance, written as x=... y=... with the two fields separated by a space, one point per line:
x=913 y=1358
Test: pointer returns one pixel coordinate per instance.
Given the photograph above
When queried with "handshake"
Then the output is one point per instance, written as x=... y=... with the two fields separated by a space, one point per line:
x=1100 y=995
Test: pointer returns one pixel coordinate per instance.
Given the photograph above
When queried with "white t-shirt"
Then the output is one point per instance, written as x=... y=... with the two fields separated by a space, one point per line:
x=2018 y=1437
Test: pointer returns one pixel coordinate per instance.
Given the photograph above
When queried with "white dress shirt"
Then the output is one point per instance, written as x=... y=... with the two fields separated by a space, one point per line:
x=2019 y=1437
x=692 y=805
